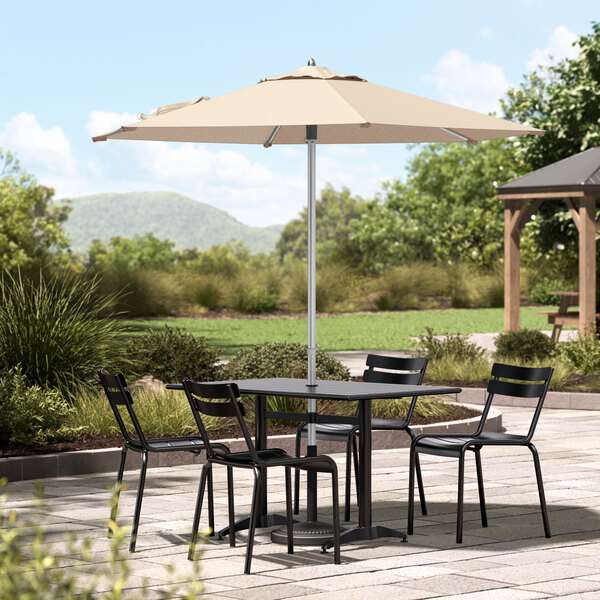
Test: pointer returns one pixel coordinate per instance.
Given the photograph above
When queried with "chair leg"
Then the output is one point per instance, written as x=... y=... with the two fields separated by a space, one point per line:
x=419 y=476
x=484 y=522
x=356 y=466
x=117 y=493
x=201 y=487
x=297 y=477
x=411 y=491
x=349 y=456
x=336 y=519
x=138 y=502
x=252 y=523
x=211 y=503
x=231 y=507
x=540 y=484
x=461 y=488
x=288 y=510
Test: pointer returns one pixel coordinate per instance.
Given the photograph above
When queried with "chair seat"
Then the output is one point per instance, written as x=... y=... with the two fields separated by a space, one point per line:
x=278 y=457
x=190 y=444
x=388 y=424
x=331 y=431
x=441 y=445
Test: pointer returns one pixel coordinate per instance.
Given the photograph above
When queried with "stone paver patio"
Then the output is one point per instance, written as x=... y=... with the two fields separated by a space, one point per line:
x=509 y=560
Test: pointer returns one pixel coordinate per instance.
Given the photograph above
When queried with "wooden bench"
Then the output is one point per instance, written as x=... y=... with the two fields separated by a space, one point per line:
x=562 y=316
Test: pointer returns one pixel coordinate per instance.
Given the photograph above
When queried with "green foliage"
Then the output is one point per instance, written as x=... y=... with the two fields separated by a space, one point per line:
x=282 y=359
x=57 y=330
x=405 y=287
x=29 y=414
x=254 y=301
x=447 y=210
x=562 y=99
x=171 y=355
x=160 y=414
x=205 y=290
x=335 y=211
x=539 y=292
x=447 y=368
x=141 y=292
x=582 y=354
x=455 y=347
x=475 y=289
x=32 y=568
x=225 y=261
x=140 y=252
x=168 y=215
x=332 y=287
x=30 y=224
x=525 y=344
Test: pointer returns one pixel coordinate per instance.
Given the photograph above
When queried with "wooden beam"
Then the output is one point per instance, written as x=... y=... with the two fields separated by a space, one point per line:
x=527 y=212
x=512 y=264
x=573 y=211
x=587 y=264
x=544 y=195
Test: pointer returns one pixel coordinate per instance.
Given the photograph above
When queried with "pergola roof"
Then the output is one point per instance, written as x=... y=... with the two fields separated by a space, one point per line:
x=580 y=172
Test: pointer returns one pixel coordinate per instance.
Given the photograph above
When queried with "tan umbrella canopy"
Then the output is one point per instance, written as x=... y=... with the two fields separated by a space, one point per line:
x=346 y=108
x=308 y=106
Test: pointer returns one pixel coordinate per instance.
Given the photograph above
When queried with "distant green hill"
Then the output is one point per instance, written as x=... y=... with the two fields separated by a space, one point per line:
x=188 y=223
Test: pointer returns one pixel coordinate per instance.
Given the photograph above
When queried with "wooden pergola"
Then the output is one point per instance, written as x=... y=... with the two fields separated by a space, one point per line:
x=576 y=181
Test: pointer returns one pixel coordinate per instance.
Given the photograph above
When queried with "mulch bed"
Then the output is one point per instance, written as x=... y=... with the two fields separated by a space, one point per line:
x=113 y=440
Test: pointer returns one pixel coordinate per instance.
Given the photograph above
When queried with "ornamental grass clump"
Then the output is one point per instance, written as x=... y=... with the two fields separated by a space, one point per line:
x=59 y=330
x=524 y=345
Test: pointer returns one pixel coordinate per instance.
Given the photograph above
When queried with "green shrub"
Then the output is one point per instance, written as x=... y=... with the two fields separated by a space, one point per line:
x=172 y=355
x=583 y=354
x=447 y=368
x=206 y=291
x=29 y=414
x=142 y=292
x=456 y=347
x=471 y=289
x=57 y=331
x=397 y=408
x=283 y=359
x=332 y=287
x=160 y=414
x=254 y=301
x=539 y=292
x=525 y=344
x=405 y=287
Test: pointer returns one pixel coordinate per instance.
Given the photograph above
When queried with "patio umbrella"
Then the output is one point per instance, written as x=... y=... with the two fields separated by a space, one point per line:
x=308 y=106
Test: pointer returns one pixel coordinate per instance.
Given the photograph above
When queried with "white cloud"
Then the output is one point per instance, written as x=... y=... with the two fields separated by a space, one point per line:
x=560 y=46
x=37 y=148
x=101 y=121
x=460 y=80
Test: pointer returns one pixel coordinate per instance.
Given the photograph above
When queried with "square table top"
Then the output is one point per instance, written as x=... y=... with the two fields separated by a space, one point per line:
x=336 y=390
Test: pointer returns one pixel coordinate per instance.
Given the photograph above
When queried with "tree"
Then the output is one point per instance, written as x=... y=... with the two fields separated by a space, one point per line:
x=30 y=223
x=139 y=252
x=563 y=99
x=335 y=211
x=447 y=210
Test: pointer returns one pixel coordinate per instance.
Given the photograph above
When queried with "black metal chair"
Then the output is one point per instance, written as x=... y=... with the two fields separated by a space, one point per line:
x=406 y=371
x=256 y=460
x=119 y=396
x=534 y=383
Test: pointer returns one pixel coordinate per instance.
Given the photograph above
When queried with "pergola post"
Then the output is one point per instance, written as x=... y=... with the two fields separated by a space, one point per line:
x=512 y=264
x=587 y=264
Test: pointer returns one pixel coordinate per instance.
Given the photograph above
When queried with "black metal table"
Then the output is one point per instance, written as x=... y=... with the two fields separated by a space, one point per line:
x=362 y=392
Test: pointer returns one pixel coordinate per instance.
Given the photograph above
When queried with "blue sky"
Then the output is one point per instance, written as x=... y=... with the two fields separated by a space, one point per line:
x=74 y=69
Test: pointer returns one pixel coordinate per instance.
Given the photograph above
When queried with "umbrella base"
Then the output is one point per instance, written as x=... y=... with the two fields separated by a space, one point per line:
x=308 y=533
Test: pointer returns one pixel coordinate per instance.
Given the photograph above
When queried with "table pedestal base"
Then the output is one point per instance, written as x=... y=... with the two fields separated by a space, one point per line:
x=361 y=534
x=308 y=533
x=261 y=521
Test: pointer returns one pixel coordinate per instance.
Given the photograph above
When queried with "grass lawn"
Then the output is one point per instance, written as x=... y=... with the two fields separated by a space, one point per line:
x=376 y=331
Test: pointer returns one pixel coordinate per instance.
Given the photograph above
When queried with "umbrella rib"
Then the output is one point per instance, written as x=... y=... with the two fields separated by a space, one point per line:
x=464 y=138
x=270 y=139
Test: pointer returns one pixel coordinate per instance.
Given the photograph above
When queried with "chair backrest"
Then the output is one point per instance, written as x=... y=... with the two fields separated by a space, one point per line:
x=519 y=382
x=118 y=396
x=406 y=370
x=198 y=393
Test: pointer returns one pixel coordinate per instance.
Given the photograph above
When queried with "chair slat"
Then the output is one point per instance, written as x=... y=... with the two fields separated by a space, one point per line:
x=386 y=377
x=396 y=363
x=214 y=391
x=519 y=390
x=521 y=373
x=217 y=409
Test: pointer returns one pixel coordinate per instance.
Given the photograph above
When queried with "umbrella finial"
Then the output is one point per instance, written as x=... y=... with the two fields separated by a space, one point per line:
x=311 y=62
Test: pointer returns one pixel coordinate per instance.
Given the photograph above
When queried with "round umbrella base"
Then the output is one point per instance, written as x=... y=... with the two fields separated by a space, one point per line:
x=308 y=533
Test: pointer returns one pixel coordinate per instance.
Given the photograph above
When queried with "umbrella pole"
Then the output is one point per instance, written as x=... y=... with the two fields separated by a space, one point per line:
x=311 y=532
